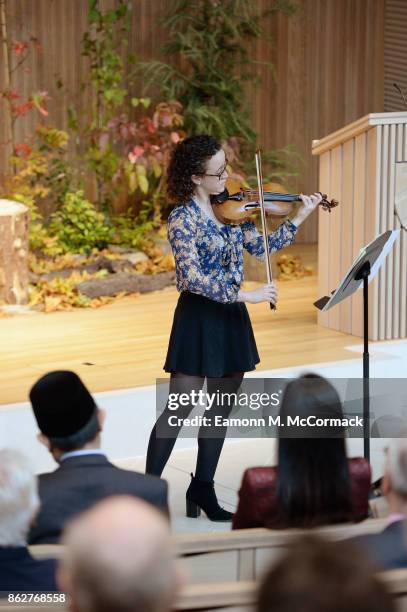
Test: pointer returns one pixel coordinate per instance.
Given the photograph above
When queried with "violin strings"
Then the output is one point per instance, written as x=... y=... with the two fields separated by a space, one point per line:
x=283 y=197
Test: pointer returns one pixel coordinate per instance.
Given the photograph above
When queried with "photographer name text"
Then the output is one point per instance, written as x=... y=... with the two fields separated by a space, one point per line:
x=270 y=421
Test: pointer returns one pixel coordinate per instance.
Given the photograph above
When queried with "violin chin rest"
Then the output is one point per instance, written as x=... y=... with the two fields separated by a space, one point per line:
x=219 y=198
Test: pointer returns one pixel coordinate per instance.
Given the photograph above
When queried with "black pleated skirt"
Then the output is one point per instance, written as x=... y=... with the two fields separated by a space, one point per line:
x=209 y=338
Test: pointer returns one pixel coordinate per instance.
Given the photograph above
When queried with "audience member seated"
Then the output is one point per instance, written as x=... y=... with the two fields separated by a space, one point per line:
x=388 y=549
x=319 y=576
x=119 y=556
x=70 y=424
x=18 y=505
x=314 y=483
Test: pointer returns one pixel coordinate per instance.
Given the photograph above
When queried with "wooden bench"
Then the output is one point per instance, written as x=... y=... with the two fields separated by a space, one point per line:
x=236 y=555
x=244 y=554
x=241 y=596
x=47 y=551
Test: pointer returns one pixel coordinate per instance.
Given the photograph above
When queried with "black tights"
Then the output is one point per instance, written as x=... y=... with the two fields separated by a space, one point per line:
x=209 y=447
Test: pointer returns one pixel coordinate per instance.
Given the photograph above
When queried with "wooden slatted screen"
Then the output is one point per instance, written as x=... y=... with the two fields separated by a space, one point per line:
x=395 y=54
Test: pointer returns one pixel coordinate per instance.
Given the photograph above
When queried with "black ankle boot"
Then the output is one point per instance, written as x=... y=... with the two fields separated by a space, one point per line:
x=201 y=495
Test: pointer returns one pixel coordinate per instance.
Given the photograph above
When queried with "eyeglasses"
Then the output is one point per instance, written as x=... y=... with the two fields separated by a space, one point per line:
x=219 y=174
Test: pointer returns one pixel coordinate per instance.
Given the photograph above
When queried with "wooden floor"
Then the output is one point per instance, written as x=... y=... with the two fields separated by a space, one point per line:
x=124 y=344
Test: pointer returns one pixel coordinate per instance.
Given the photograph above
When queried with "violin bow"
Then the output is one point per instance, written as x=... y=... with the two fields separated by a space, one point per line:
x=263 y=220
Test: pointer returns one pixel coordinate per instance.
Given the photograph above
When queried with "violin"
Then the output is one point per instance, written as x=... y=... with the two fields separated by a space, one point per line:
x=236 y=208
x=239 y=207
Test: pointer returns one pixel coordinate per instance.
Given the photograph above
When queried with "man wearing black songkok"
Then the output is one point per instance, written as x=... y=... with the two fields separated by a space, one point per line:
x=70 y=424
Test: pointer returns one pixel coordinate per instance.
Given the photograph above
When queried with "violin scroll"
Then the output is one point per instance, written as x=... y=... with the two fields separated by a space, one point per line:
x=326 y=204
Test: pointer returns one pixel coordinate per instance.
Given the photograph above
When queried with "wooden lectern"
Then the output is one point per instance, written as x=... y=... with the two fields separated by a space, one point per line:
x=364 y=166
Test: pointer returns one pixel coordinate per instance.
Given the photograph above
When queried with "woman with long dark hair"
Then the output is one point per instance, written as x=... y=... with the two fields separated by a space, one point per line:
x=211 y=337
x=314 y=483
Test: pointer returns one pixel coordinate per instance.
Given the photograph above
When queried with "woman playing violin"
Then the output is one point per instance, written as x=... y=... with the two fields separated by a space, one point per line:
x=211 y=336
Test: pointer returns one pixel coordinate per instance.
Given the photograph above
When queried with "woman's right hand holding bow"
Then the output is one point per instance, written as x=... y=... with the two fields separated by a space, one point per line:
x=266 y=293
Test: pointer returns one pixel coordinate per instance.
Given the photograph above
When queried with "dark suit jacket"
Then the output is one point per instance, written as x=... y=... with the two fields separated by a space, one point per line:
x=387 y=549
x=20 y=572
x=78 y=483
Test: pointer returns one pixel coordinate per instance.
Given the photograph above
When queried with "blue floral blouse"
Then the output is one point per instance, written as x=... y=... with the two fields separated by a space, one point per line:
x=209 y=258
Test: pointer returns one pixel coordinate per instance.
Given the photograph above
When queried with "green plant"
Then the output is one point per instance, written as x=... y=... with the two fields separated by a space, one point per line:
x=36 y=170
x=210 y=39
x=103 y=45
x=48 y=141
x=59 y=179
x=79 y=227
x=125 y=143
x=15 y=54
x=130 y=233
x=40 y=173
x=146 y=145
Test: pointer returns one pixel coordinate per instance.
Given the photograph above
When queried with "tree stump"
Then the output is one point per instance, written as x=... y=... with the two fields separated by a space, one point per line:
x=14 y=219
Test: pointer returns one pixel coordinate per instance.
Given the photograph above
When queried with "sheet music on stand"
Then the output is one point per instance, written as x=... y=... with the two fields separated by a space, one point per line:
x=375 y=252
x=362 y=272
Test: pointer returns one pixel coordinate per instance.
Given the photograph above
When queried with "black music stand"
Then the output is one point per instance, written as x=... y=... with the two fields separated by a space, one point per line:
x=363 y=271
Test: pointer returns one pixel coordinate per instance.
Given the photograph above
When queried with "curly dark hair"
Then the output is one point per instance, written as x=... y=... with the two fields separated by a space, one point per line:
x=189 y=157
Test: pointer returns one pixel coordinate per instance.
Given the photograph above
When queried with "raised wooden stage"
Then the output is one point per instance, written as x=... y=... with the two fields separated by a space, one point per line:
x=124 y=344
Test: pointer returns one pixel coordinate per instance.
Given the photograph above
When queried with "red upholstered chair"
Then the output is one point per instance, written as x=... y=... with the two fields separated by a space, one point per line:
x=257 y=495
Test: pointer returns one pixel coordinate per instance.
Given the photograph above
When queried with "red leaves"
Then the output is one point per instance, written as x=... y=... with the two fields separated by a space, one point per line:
x=151 y=129
x=11 y=95
x=135 y=153
x=37 y=101
x=19 y=47
x=22 y=109
x=22 y=150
